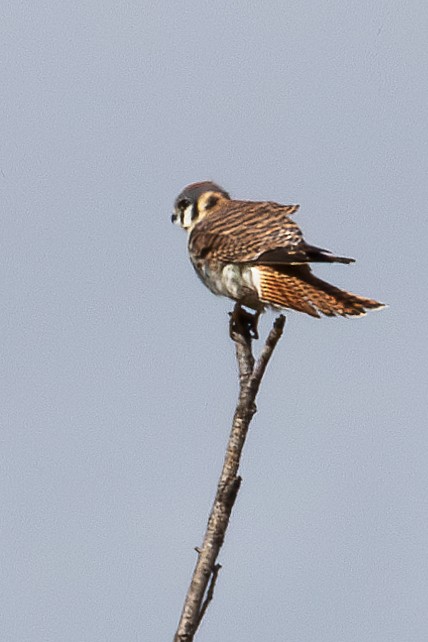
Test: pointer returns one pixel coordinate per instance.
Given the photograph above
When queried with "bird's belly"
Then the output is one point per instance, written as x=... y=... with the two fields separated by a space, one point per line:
x=233 y=281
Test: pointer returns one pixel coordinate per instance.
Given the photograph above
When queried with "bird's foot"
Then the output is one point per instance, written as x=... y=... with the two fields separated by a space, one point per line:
x=243 y=322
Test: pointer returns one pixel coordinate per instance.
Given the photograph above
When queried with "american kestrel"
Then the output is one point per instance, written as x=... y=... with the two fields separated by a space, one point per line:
x=253 y=253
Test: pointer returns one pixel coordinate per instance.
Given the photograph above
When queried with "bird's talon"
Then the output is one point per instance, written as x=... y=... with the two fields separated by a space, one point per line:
x=243 y=323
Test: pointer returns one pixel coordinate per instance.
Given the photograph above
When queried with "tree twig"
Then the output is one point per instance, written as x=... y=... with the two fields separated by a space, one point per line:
x=210 y=593
x=206 y=570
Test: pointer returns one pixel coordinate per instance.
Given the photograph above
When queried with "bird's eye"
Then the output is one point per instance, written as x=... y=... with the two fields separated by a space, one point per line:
x=183 y=203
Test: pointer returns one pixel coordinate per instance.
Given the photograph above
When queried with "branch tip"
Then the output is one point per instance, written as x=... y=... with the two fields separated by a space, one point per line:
x=279 y=323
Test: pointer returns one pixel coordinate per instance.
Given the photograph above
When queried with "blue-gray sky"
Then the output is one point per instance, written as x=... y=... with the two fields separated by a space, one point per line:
x=119 y=380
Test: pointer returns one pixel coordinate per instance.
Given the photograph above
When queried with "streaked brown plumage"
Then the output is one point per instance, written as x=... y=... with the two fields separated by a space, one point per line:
x=297 y=288
x=254 y=253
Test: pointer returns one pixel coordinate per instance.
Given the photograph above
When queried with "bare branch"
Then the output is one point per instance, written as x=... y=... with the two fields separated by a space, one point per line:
x=265 y=355
x=201 y=589
x=210 y=592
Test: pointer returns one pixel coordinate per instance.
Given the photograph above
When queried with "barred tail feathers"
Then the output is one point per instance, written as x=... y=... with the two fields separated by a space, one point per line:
x=297 y=288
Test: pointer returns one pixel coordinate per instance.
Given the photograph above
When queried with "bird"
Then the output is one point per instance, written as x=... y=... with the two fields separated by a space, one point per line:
x=255 y=254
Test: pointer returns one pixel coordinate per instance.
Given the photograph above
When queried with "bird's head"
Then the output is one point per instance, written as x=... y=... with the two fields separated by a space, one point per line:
x=195 y=202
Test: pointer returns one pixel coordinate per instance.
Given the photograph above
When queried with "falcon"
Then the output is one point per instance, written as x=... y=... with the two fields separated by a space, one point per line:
x=254 y=253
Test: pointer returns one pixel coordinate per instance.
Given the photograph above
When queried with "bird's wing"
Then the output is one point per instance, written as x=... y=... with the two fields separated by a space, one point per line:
x=240 y=231
x=254 y=232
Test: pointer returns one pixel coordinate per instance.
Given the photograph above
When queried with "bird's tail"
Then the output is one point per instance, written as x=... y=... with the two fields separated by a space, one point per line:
x=297 y=288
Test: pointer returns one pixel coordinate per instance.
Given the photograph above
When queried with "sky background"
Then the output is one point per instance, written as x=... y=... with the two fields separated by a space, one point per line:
x=119 y=379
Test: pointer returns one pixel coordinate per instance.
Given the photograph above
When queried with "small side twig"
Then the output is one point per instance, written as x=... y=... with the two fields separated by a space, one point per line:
x=201 y=589
x=210 y=593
